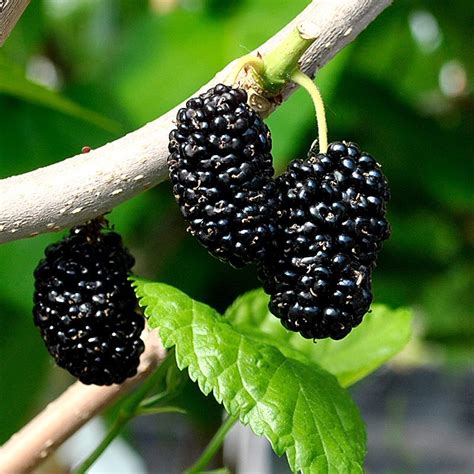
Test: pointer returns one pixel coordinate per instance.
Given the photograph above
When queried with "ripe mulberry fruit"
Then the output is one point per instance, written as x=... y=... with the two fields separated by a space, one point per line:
x=220 y=165
x=331 y=227
x=85 y=307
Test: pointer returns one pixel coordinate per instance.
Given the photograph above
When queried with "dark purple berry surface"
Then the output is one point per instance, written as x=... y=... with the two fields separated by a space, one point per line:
x=85 y=307
x=220 y=165
x=331 y=224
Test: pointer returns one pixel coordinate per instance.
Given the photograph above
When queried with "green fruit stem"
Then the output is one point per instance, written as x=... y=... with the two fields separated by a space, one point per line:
x=282 y=61
x=279 y=67
x=213 y=446
x=304 y=81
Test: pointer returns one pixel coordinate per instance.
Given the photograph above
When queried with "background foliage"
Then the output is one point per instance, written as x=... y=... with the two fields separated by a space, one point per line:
x=77 y=73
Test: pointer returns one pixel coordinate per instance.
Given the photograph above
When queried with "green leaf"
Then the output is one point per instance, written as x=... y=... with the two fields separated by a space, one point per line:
x=13 y=83
x=299 y=407
x=382 y=334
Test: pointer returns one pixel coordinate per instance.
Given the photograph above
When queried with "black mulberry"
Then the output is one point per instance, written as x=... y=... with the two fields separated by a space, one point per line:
x=331 y=227
x=220 y=165
x=85 y=307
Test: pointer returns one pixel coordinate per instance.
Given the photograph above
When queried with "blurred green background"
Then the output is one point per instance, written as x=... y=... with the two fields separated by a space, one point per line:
x=84 y=72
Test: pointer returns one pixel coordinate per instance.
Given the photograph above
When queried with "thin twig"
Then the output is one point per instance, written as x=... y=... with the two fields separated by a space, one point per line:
x=80 y=188
x=128 y=410
x=37 y=440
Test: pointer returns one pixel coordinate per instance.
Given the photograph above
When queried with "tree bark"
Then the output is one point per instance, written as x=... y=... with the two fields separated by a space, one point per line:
x=10 y=13
x=84 y=186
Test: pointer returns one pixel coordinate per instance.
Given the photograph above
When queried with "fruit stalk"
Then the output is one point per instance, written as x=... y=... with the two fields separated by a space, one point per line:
x=304 y=81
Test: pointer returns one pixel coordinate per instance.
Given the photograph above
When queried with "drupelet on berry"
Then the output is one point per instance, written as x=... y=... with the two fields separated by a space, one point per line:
x=331 y=227
x=220 y=165
x=85 y=307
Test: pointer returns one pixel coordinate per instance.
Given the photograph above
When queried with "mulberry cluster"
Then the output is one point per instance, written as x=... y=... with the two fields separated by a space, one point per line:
x=331 y=226
x=220 y=165
x=86 y=309
x=314 y=232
